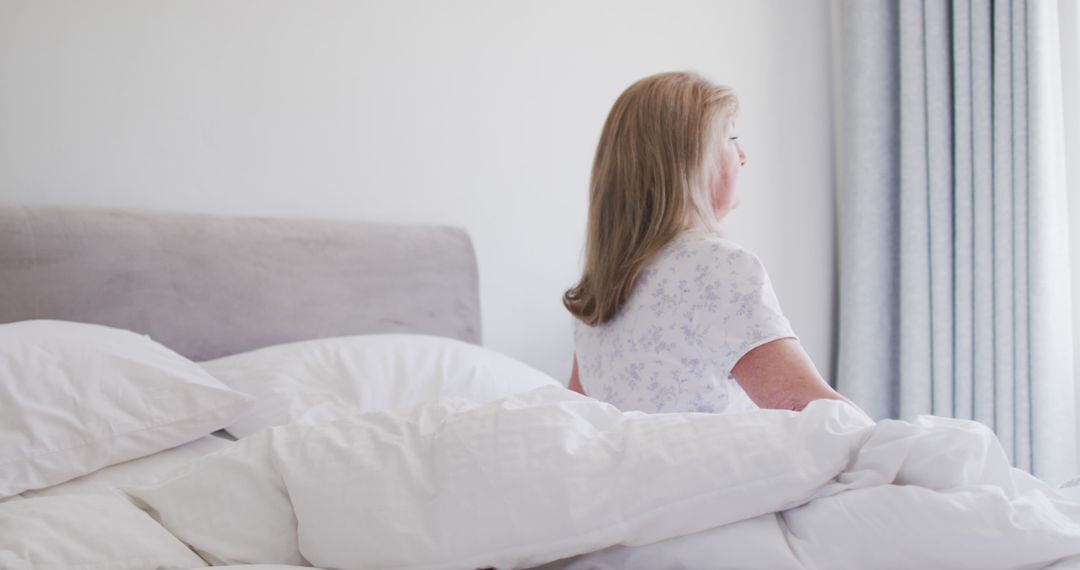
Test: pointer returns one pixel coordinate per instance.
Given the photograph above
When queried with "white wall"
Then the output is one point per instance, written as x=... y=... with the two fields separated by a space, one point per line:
x=482 y=114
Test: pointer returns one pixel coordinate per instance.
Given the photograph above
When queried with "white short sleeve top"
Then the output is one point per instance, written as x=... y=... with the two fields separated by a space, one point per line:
x=700 y=306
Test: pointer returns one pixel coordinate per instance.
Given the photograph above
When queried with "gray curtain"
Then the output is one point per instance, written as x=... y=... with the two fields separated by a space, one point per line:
x=954 y=270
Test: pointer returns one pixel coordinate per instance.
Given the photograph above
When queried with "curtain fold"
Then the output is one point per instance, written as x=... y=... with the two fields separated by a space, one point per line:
x=954 y=276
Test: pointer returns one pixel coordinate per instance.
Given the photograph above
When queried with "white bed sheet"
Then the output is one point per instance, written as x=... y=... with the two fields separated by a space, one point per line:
x=549 y=474
x=505 y=484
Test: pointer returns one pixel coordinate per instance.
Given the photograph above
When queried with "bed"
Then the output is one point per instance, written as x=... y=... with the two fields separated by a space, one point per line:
x=374 y=432
x=207 y=286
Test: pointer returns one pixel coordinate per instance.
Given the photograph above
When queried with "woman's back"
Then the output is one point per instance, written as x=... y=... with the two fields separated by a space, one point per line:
x=697 y=308
x=670 y=316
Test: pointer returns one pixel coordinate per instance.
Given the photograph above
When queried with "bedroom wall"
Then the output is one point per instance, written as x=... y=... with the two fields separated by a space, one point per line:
x=482 y=114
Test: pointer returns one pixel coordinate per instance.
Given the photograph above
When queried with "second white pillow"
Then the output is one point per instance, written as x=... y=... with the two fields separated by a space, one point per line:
x=316 y=381
x=77 y=397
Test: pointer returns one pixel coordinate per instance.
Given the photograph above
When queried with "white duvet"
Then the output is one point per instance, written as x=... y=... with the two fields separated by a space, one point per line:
x=549 y=475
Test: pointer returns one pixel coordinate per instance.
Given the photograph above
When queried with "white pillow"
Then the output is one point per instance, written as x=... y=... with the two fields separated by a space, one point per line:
x=78 y=397
x=88 y=532
x=321 y=380
x=143 y=471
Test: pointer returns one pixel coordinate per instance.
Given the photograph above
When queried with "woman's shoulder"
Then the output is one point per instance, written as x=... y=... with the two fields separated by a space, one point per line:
x=712 y=251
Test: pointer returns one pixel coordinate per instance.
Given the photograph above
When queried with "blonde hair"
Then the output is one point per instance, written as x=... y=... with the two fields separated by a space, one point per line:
x=651 y=179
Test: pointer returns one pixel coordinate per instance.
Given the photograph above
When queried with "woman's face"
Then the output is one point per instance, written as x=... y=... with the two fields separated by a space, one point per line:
x=730 y=160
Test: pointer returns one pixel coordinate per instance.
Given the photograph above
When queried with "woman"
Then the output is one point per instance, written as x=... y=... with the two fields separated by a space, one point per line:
x=670 y=316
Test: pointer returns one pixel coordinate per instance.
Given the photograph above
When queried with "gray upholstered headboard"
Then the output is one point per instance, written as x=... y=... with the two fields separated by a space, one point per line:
x=207 y=286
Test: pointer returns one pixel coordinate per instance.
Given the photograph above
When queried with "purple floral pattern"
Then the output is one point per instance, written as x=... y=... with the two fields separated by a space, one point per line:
x=695 y=311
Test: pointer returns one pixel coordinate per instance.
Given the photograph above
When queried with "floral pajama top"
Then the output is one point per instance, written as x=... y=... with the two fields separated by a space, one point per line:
x=702 y=304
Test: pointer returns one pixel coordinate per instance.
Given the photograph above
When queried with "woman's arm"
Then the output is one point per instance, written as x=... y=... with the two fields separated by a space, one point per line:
x=575 y=380
x=780 y=375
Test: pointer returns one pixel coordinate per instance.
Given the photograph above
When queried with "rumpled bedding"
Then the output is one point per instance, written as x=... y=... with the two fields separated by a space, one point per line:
x=549 y=475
